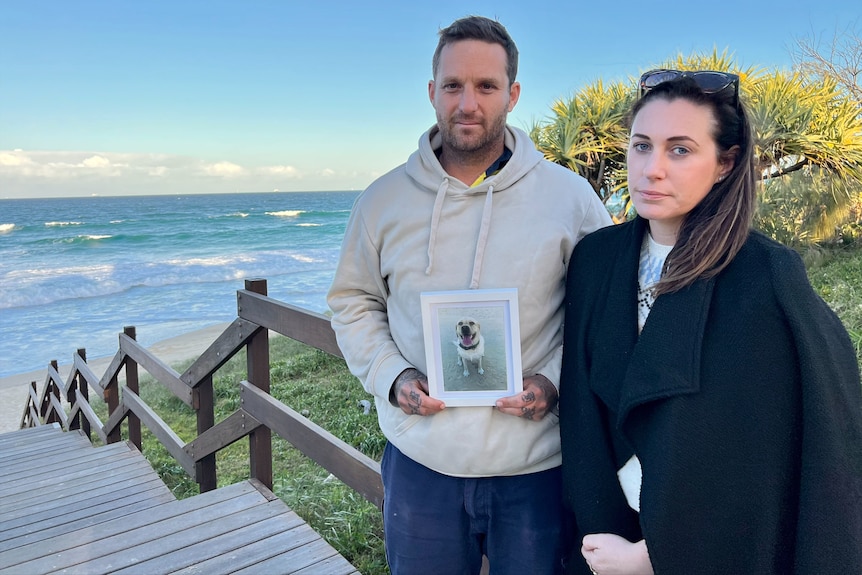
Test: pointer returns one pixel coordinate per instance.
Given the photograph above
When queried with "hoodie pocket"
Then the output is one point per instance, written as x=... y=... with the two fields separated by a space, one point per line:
x=405 y=425
x=396 y=422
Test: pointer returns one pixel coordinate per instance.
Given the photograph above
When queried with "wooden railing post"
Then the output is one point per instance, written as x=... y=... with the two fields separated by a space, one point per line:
x=46 y=412
x=204 y=403
x=260 y=440
x=111 y=395
x=30 y=408
x=79 y=384
x=133 y=420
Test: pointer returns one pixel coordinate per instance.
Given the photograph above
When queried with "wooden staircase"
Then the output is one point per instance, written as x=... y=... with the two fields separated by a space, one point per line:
x=69 y=507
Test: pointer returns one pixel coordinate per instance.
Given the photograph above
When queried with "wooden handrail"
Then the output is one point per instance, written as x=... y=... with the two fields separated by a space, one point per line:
x=160 y=429
x=290 y=321
x=86 y=410
x=350 y=465
x=81 y=367
x=220 y=351
x=260 y=414
x=157 y=368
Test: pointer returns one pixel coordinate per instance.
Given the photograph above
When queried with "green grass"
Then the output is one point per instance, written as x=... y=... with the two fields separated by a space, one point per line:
x=837 y=276
x=320 y=387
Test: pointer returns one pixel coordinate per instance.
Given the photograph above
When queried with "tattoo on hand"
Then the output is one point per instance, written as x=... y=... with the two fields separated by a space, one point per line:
x=528 y=412
x=529 y=397
x=415 y=399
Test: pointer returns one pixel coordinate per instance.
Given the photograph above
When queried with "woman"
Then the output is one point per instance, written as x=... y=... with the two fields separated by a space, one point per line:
x=710 y=410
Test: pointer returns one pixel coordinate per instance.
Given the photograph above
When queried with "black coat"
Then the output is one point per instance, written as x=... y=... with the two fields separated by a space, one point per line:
x=741 y=398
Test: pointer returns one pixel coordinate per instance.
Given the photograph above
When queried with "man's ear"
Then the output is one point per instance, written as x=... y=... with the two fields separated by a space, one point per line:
x=514 y=94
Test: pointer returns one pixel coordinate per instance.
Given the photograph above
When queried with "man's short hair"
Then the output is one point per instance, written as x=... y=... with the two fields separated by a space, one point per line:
x=479 y=28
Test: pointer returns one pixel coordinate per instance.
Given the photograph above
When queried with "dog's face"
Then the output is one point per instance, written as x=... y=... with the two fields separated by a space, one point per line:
x=467 y=330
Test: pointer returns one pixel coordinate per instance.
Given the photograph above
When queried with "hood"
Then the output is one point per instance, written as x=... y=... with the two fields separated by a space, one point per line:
x=424 y=168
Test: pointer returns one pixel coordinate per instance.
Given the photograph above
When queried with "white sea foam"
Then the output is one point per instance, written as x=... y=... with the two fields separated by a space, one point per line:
x=308 y=225
x=95 y=237
x=6 y=228
x=53 y=224
x=286 y=213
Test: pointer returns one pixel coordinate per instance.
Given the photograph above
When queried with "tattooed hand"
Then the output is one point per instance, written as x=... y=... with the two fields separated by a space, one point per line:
x=538 y=398
x=410 y=393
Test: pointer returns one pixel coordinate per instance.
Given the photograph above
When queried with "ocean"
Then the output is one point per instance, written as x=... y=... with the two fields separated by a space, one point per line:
x=75 y=271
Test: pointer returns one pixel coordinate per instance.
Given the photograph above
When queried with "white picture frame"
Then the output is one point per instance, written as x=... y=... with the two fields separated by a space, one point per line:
x=461 y=384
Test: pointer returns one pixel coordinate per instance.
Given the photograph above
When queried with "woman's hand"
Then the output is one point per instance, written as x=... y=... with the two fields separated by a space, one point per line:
x=609 y=554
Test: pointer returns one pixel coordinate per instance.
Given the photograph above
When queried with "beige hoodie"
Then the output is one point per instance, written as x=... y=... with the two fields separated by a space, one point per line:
x=417 y=229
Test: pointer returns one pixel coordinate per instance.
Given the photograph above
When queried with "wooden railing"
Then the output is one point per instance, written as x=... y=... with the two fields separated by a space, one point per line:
x=260 y=414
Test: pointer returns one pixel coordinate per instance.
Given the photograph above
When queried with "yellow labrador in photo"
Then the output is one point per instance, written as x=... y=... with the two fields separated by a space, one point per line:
x=470 y=344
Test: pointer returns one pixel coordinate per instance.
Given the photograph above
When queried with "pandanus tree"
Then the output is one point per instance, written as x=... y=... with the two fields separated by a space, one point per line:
x=808 y=137
x=588 y=135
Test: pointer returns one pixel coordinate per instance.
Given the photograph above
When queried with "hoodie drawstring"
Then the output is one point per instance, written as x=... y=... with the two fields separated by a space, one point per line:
x=435 y=222
x=482 y=240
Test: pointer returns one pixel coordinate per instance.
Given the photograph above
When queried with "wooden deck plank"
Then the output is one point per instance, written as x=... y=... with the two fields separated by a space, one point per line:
x=122 y=533
x=11 y=454
x=288 y=563
x=171 y=541
x=149 y=488
x=18 y=435
x=87 y=516
x=30 y=435
x=75 y=458
x=253 y=553
x=67 y=446
x=225 y=544
x=335 y=565
x=21 y=435
x=24 y=446
x=42 y=462
x=71 y=496
x=74 y=474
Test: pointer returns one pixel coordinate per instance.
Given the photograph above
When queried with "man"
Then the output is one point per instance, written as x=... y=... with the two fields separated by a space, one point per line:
x=475 y=207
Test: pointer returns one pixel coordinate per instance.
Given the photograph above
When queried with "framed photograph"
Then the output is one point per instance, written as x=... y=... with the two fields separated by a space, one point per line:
x=472 y=345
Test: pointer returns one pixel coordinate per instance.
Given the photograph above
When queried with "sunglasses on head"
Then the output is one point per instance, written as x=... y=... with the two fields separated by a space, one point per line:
x=710 y=81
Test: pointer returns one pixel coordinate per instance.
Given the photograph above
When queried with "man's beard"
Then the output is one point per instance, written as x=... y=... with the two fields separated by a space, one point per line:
x=472 y=145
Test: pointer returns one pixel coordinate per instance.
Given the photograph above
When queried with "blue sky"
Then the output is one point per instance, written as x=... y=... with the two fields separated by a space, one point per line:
x=102 y=97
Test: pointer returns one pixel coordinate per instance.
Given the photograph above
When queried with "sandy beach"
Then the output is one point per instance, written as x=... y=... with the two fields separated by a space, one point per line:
x=13 y=389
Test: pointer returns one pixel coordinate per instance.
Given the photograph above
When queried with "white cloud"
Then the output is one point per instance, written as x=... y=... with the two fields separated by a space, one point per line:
x=286 y=171
x=72 y=165
x=158 y=171
x=223 y=170
x=96 y=162
x=14 y=158
x=25 y=173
